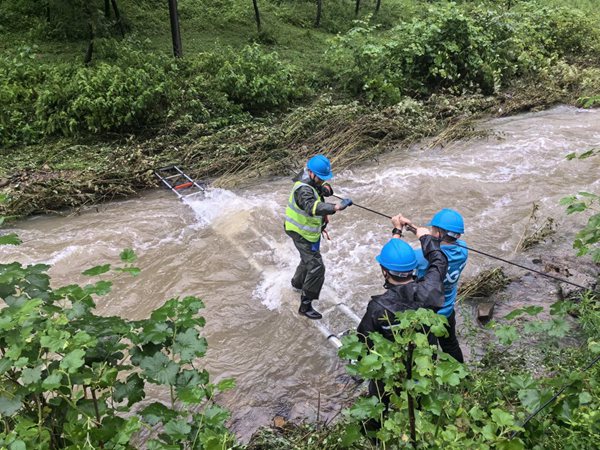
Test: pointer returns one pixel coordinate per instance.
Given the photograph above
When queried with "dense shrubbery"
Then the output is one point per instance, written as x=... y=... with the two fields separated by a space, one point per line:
x=134 y=90
x=458 y=50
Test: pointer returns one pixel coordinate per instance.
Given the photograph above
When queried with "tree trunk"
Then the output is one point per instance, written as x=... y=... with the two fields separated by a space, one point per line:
x=90 y=49
x=377 y=6
x=175 y=33
x=256 y=14
x=319 y=11
x=357 y=7
x=107 y=9
x=118 y=17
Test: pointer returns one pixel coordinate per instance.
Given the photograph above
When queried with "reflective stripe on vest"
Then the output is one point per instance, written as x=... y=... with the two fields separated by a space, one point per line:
x=296 y=219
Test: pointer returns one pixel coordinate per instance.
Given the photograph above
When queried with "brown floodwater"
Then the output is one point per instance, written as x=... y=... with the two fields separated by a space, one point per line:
x=228 y=248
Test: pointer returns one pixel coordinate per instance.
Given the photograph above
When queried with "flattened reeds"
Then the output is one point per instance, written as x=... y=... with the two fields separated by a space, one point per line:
x=483 y=285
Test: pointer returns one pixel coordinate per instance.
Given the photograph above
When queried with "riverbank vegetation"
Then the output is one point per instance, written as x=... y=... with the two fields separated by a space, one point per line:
x=92 y=104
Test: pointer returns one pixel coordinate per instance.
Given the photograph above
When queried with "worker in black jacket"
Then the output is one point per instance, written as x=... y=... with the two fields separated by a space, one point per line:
x=403 y=292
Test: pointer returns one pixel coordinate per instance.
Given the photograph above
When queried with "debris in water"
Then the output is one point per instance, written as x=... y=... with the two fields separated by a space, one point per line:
x=532 y=237
x=484 y=285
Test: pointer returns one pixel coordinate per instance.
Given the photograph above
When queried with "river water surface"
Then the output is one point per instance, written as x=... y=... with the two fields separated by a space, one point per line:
x=228 y=248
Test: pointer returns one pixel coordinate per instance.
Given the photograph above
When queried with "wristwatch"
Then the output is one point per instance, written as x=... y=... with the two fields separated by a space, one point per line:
x=397 y=231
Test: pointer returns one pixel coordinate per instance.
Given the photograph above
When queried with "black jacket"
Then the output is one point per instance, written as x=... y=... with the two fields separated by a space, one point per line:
x=427 y=292
x=305 y=196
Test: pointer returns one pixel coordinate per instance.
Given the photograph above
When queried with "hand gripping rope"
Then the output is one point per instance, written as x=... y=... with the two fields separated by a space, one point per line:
x=413 y=230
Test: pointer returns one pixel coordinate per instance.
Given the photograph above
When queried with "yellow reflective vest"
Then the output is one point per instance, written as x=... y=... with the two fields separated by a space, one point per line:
x=296 y=219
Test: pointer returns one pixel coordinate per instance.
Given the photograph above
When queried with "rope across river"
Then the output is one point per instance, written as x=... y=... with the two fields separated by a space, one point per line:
x=471 y=249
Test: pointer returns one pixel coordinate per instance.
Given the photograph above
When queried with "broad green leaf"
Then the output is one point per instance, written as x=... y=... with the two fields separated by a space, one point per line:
x=5 y=364
x=502 y=418
x=177 y=428
x=132 y=390
x=594 y=346
x=128 y=256
x=97 y=270
x=156 y=332
x=558 y=328
x=513 y=444
x=17 y=445
x=351 y=348
x=9 y=404
x=424 y=365
x=133 y=271
x=189 y=345
x=53 y=381
x=530 y=398
x=157 y=413
x=160 y=369
x=73 y=360
x=99 y=288
x=369 y=364
x=56 y=340
x=215 y=415
x=514 y=314
x=366 y=408
x=154 y=444
x=450 y=372
x=585 y=398
x=352 y=433
x=506 y=334
x=226 y=384
x=124 y=430
x=10 y=239
x=31 y=375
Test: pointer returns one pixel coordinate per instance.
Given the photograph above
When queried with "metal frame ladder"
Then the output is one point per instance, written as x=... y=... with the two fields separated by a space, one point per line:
x=177 y=181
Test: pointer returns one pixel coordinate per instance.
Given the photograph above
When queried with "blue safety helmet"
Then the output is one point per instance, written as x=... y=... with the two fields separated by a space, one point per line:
x=398 y=257
x=449 y=220
x=320 y=166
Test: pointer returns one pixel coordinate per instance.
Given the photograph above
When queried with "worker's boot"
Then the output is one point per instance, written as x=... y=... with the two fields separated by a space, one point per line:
x=307 y=310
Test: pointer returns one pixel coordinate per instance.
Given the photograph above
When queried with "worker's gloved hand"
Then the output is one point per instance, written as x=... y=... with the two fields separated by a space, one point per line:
x=326 y=190
x=344 y=204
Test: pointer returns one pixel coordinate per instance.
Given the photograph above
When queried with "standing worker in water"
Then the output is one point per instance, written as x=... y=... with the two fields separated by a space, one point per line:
x=305 y=219
x=447 y=226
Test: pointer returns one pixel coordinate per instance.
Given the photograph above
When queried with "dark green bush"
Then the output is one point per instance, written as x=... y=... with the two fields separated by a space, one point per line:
x=253 y=78
x=131 y=90
x=458 y=50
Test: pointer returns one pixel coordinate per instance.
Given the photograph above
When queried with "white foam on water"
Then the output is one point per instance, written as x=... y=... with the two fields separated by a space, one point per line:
x=274 y=284
x=62 y=254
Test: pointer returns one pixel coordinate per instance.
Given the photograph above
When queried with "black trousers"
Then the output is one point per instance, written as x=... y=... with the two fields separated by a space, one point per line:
x=450 y=344
x=310 y=273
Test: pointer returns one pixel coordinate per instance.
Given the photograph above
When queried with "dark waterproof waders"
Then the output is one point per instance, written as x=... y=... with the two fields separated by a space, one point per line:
x=309 y=275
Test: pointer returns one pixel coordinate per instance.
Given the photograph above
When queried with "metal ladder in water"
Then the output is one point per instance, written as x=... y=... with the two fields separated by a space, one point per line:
x=179 y=182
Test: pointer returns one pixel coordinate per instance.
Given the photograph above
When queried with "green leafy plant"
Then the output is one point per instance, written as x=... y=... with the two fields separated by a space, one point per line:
x=586 y=240
x=73 y=379
x=427 y=404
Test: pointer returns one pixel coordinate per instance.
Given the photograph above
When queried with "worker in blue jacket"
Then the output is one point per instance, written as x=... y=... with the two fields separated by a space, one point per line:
x=448 y=226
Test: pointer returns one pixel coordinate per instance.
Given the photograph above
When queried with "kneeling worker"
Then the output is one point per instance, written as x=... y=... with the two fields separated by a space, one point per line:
x=305 y=219
x=398 y=262
x=403 y=291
